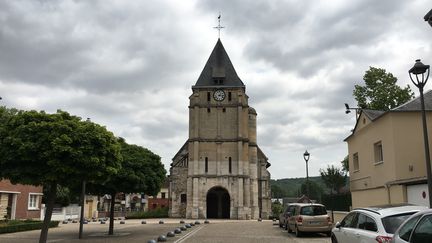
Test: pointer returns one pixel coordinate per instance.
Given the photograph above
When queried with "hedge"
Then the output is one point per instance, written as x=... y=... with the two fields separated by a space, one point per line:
x=16 y=226
x=157 y=213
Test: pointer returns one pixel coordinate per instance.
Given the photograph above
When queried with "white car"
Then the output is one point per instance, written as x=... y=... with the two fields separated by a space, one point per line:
x=372 y=224
x=416 y=229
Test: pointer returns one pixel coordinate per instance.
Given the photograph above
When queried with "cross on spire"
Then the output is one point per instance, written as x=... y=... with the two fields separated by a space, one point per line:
x=219 y=27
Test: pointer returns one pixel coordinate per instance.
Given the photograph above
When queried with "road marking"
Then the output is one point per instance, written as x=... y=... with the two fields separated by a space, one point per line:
x=188 y=235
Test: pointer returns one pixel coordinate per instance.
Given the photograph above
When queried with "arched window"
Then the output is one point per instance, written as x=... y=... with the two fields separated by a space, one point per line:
x=206 y=165
x=230 y=165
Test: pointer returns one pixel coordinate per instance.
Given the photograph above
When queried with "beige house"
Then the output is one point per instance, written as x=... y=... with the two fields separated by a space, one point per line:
x=220 y=171
x=387 y=157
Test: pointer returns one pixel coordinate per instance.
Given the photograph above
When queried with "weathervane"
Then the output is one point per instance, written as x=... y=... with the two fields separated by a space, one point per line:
x=219 y=27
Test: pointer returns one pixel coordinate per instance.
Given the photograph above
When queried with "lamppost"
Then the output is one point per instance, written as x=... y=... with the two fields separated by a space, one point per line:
x=428 y=17
x=306 y=156
x=419 y=69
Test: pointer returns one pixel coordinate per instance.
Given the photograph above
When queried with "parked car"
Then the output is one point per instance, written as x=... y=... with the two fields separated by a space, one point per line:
x=416 y=229
x=372 y=224
x=309 y=217
x=283 y=217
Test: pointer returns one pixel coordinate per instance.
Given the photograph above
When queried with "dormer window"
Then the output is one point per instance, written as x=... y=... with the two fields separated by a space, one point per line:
x=218 y=81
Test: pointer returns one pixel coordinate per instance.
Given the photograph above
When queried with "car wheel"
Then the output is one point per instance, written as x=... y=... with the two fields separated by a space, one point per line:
x=288 y=228
x=280 y=225
x=333 y=239
x=329 y=233
x=285 y=226
x=298 y=233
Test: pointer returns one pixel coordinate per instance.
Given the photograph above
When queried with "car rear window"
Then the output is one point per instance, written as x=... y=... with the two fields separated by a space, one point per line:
x=313 y=210
x=391 y=223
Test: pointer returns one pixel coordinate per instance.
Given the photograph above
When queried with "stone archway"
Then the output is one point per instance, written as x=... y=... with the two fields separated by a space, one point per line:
x=218 y=203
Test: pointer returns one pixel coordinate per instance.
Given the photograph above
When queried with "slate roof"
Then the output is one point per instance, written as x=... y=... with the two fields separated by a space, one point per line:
x=218 y=66
x=372 y=114
x=415 y=104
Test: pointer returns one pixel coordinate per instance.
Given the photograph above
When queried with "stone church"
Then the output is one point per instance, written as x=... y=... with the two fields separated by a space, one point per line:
x=220 y=171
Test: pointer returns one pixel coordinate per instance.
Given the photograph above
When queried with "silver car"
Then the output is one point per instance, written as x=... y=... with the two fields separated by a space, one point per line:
x=416 y=229
x=372 y=224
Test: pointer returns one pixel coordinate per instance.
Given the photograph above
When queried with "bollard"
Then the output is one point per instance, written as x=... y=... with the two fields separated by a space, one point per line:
x=177 y=231
x=151 y=241
x=143 y=222
x=122 y=222
x=170 y=234
x=65 y=222
x=192 y=224
x=103 y=222
x=197 y=222
x=188 y=226
x=162 y=238
x=161 y=222
x=182 y=221
x=183 y=228
x=206 y=222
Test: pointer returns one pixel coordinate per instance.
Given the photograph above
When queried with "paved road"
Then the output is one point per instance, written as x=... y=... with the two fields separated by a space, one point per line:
x=133 y=231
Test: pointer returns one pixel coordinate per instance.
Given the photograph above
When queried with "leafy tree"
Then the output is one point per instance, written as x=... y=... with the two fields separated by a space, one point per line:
x=315 y=190
x=277 y=191
x=141 y=171
x=380 y=91
x=345 y=164
x=276 y=209
x=334 y=178
x=48 y=150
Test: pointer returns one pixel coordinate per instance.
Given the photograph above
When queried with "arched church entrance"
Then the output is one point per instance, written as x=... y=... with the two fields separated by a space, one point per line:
x=218 y=203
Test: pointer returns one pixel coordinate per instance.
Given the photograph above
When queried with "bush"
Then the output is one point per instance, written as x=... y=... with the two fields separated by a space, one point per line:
x=12 y=226
x=157 y=213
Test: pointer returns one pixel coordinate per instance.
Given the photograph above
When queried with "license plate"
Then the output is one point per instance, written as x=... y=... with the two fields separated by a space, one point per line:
x=314 y=223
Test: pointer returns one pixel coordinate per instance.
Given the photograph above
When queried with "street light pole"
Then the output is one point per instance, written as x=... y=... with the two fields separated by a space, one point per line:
x=420 y=69
x=306 y=156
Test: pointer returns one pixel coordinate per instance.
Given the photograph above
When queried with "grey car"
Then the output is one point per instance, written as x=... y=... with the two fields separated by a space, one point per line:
x=416 y=229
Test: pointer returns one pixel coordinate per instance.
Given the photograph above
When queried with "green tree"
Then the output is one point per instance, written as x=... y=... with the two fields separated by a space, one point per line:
x=141 y=171
x=380 y=91
x=277 y=191
x=315 y=190
x=48 y=150
x=345 y=164
x=276 y=209
x=334 y=178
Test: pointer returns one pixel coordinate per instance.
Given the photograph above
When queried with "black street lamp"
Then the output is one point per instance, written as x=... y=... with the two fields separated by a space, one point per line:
x=428 y=17
x=419 y=70
x=306 y=156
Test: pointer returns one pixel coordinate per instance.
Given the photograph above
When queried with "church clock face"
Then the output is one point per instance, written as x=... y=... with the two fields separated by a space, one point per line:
x=219 y=95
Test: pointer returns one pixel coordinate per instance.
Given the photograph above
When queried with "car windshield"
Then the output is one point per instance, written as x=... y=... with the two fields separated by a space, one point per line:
x=313 y=210
x=391 y=223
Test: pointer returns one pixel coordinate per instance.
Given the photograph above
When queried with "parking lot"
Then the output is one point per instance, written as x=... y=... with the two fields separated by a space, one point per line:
x=133 y=231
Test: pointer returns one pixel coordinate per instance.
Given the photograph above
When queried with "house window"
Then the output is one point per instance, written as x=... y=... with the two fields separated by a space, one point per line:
x=378 y=151
x=206 y=165
x=356 y=161
x=229 y=165
x=183 y=198
x=33 y=202
x=163 y=195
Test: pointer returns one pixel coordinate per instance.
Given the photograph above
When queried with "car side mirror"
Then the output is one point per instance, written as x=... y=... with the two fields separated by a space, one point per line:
x=338 y=225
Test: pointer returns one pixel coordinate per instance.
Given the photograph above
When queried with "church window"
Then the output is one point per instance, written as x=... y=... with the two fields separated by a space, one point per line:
x=208 y=110
x=208 y=96
x=206 y=165
x=229 y=96
x=230 y=165
x=183 y=198
x=224 y=110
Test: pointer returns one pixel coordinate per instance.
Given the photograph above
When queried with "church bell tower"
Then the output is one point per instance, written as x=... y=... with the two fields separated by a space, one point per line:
x=220 y=172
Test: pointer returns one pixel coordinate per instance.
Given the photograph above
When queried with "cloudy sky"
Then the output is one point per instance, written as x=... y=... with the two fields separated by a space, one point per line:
x=130 y=65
